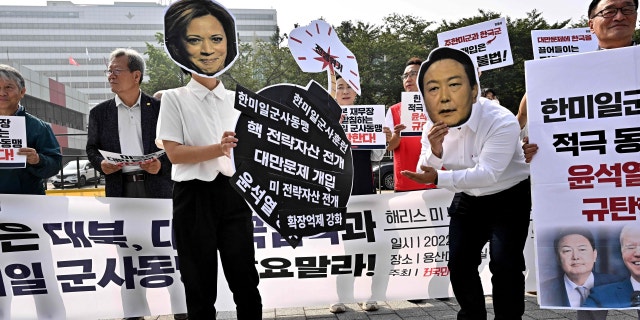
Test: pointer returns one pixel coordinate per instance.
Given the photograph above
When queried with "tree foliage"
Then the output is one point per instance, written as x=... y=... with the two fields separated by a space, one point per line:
x=163 y=73
x=381 y=52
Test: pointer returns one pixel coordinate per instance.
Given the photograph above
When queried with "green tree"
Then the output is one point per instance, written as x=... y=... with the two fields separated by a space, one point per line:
x=381 y=52
x=261 y=64
x=509 y=82
x=162 y=71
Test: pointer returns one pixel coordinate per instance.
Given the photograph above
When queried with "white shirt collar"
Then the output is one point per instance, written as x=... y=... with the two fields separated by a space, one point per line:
x=201 y=91
x=588 y=284
x=120 y=102
x=635 y=284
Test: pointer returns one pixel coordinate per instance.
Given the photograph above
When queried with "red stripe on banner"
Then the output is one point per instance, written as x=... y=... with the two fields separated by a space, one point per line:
x=353 y=85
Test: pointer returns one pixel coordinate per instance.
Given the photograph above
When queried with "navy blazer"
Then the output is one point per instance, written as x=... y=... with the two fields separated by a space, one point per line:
x=613 y=295
x=103 y=135
x=554 y=294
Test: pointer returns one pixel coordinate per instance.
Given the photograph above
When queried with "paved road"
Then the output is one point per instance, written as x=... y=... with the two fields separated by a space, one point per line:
x=404 y=310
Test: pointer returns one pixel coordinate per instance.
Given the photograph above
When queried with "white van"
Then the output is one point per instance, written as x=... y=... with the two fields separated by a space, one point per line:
x=70 y=174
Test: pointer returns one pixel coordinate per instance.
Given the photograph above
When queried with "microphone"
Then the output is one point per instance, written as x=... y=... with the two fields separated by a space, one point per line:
x=635 y=299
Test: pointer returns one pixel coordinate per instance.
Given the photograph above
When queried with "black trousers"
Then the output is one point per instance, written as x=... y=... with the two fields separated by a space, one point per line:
x=211 y=217
x=503 y=220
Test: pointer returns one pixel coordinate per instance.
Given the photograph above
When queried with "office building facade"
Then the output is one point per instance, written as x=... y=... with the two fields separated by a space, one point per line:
x=70 y=44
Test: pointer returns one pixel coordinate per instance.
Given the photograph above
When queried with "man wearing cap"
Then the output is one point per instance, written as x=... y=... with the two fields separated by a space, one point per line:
x=477 y=141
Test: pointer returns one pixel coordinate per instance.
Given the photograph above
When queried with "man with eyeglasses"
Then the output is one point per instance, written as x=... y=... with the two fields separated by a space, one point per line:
x=626 y=293
x=406 y=150
x=126 y=124
x=613 y=22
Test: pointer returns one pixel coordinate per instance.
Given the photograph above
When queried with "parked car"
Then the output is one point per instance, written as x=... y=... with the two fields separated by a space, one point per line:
x=383 y=174
x=71 y=176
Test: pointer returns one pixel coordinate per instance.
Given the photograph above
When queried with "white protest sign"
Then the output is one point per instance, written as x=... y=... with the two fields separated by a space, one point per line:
x=316 y=48
x=487 y=43
x=363 y=126
x=413 y=114
x=13 y=136
x=583 y=112
x=129 y=160
x=562 y=42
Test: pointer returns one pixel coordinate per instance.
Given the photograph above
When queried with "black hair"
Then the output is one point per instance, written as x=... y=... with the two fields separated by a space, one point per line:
x=177 y=19
x=594 y=4
x=575 y=230
x=413 y=61
x=442 y=53
x=487 y=90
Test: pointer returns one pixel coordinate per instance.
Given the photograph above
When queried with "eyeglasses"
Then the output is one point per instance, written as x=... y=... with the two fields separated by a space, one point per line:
x=116 y=72
x=409 y=74
x=611 y=12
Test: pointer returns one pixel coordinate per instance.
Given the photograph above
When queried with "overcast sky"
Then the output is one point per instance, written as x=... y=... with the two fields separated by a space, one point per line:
x=336 y=11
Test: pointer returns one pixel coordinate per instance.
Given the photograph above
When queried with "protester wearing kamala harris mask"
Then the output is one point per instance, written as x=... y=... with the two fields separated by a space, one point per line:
x=196 y=128
x=201 y=37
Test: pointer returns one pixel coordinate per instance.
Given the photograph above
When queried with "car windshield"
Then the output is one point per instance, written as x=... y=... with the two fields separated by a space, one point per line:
x=71 y=166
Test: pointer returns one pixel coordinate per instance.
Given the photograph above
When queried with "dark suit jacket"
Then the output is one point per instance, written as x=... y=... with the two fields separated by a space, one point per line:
x=613 y=295
x=103 y=135
x=554 y=292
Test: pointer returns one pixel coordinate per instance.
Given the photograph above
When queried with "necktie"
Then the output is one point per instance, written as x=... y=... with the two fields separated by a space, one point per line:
x=635 y=299
x=584 y=293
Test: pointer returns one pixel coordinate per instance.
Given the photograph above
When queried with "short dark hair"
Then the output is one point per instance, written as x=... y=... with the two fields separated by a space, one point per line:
x=594 y=4
x=442 y=53
x=177 y=19
x=571 y=231
x=487 y=90
x=413 y=61
x=135 y=61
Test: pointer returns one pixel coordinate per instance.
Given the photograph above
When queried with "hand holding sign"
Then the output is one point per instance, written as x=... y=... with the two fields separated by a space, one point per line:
x=316 y=48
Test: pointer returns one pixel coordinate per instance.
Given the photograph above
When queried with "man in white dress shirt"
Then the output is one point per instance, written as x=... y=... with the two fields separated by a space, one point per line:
x=477 y=141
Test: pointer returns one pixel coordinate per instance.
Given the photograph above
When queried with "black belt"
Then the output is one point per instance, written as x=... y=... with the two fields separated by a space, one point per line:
x=134 y=176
